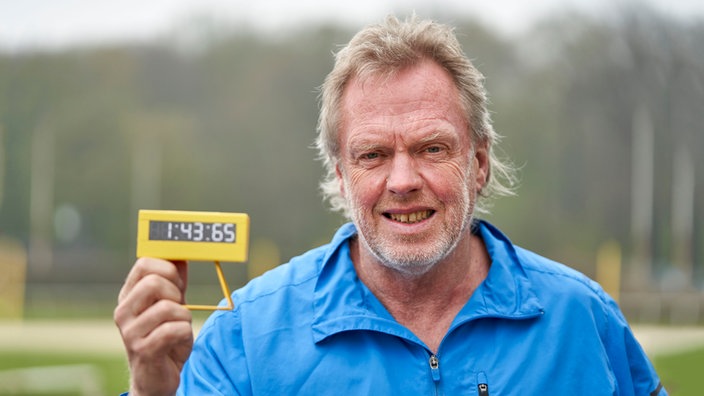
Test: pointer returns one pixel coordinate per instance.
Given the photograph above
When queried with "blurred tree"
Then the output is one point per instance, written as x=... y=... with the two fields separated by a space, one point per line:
x=227 y=123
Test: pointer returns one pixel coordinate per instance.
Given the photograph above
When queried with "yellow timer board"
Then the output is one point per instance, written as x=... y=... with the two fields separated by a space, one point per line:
x=201 y=236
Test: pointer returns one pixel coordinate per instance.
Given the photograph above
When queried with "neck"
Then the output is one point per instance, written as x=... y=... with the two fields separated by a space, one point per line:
x=428 y=303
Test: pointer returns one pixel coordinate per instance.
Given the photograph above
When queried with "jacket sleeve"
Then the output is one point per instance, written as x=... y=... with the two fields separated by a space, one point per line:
x=217 y=365
x=632 y=368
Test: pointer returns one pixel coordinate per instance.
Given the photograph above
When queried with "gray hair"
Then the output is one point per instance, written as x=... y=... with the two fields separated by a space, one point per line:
x=384 y=49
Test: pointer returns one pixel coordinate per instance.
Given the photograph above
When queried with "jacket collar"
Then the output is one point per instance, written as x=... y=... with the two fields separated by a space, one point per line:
x=343 y=303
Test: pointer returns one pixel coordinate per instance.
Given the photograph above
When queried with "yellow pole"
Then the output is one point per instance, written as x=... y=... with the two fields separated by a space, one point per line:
x=13 y=267
x=608 y=268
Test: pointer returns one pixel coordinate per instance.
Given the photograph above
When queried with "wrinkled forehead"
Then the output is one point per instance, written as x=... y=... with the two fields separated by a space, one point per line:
x=426 y=87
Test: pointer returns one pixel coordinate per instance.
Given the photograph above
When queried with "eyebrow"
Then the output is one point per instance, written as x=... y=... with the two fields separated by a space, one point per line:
x=434 y=136
x=355 y=146
x=439 y=134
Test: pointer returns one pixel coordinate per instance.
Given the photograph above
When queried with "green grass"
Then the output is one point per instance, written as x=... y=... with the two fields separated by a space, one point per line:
x=682 y=373
x=111 y=368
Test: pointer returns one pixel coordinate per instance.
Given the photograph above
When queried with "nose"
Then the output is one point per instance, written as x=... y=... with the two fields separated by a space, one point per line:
x=403 y=175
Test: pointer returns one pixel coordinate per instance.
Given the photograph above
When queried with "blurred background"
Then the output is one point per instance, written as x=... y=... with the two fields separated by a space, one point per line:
x=110 y=107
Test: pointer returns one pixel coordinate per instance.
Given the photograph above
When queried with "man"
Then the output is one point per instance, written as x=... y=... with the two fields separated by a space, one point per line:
x=415 y=296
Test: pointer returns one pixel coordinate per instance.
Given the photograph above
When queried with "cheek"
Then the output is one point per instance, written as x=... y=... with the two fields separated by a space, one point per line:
x=449 y=179
x=364 y=187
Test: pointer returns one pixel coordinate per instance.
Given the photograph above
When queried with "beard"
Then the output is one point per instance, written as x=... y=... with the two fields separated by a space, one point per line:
x=415 y=255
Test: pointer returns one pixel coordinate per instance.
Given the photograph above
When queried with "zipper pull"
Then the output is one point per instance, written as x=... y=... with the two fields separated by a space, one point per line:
x=482 y=385
x=483 y=389
x=434 y=367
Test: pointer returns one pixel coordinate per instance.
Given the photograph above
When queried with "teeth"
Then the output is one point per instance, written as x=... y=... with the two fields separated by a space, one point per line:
x=410 y=217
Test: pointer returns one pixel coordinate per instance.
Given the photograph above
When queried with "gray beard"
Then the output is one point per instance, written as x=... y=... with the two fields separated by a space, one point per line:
x=414 y=265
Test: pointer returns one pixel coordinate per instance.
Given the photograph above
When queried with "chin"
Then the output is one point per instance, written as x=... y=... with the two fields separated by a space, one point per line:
x=407 y=270
x=412 y=265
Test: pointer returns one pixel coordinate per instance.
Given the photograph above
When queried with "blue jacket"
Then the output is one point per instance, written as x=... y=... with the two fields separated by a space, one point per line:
x=310 y=327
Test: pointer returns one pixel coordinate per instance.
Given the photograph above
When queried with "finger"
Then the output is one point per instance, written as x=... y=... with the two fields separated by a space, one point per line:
x=148 y=291
x=182 y=270
x=157 y=360
x=155 y=316
x=176 y=272
x=169 y=337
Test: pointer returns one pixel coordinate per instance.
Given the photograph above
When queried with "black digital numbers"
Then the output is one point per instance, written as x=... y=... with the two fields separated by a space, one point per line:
x=188 y=231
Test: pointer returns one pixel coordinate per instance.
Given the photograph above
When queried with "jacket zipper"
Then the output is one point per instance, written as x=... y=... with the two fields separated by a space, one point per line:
x=482 y=385
x=434 y=367
x=483 y=389
x=434 y=363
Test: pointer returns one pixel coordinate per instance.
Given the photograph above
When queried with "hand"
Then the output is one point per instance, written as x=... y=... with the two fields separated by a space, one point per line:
x=154 y=325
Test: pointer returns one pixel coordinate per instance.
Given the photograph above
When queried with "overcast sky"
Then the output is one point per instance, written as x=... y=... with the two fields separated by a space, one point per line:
x=27 y=24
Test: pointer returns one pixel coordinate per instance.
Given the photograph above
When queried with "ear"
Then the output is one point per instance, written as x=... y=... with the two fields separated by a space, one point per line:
x=480 y=163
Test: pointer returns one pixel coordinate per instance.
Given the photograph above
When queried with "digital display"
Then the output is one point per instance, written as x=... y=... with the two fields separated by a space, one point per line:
x=198 y=236
x=192 y=231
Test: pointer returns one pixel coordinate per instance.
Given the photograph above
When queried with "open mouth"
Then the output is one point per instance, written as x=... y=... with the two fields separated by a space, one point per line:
x=409 y=218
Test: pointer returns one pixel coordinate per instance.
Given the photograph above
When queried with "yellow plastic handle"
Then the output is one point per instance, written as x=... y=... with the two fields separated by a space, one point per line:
x=225 y=291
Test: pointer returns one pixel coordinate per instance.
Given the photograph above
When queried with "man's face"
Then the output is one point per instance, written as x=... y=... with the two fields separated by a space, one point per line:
x=407 y=168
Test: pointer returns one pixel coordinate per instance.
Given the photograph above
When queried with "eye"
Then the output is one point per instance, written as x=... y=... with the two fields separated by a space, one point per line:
x=434 y=149
x=369 y=158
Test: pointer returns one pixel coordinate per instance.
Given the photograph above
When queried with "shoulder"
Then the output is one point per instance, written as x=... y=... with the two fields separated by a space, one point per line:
x=565 y=289
x=299 y=270
x=286 y=287
x=546 y=276
x=544 y=269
